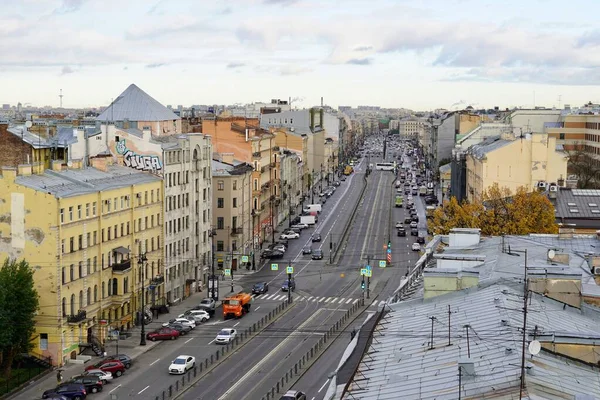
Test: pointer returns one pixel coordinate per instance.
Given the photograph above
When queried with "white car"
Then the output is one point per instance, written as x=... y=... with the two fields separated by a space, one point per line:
x=413 y=224
x=289 y=235
x=226 y=336
x=104 y=376
x=181 y=364
x=416 y=247
x=399 y=224
x=181 y=320
x=197 y=315
x=300 y=225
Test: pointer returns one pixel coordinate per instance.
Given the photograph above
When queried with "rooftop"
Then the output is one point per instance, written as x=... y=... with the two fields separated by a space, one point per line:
x=487 y=146
x=136 y=105
x=578 y=204
x=76 y=182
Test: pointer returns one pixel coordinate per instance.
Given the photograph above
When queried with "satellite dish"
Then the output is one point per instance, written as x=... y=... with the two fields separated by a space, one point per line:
x=551 y=254
x=28 y=124
x=534 y=347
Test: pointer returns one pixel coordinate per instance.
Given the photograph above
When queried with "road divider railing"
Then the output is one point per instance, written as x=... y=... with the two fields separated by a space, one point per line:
x=307 y=359
x=195 y=374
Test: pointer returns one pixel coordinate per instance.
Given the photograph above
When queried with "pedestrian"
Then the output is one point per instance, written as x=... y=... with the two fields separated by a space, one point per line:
x=59 y=377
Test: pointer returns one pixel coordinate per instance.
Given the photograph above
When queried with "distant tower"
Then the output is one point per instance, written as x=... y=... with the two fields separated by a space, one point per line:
x=61 y=96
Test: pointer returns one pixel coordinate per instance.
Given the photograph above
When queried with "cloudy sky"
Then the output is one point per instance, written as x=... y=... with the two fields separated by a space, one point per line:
x=392 y=53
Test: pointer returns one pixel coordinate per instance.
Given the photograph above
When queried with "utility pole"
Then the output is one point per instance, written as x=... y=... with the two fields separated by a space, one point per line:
x=330 y=249
x=289 y=271
x=525 y=298
x=253 y=214
x=433 y=319
x=214 y=282
x=368 y=277
x=142 y=264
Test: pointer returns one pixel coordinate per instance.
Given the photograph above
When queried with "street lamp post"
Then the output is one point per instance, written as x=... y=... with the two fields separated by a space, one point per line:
x=253 y=214
x=141 y=264
x=312 y=189
x=214 y=285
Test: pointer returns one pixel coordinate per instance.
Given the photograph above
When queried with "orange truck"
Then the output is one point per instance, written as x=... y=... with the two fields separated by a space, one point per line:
x=236 y=305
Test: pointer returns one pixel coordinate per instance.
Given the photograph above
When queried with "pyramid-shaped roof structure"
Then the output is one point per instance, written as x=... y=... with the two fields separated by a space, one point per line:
x=136 y=105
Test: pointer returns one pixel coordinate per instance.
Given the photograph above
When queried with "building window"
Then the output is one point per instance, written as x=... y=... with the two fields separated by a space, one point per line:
x=103 y=290
x=220 y=245
x=70 y=214
x=64 y=307
x=80 y=242
x=235 y=202
x=43 y=341
x=89 y=296
x=220 y=202
x=72 y=304
x=63 y=276
x=95 y=293
x=80 y=269
x=62 y=246
x=561 y=136
x=72 y=272
x=71 y=244
x=94 y=209
x=234 y=185
x=79 y=211
x=220 y=185
x=220 y=223
x=62 y=215
x=256 y=184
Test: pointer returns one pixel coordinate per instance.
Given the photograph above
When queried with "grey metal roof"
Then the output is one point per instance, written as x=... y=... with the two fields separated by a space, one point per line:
x=402 y=362
x=36 y=141
x=75 y=182
x=488 y=145
x=136 y=105
x=577 y=203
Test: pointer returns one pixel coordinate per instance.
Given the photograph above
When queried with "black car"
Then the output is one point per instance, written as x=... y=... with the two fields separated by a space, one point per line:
x=92 y=383
x=73 y=391
x=317 y=254
x=316 y=237
x=407 y=220
x=415 y=218
x=421 y=239
x=288 y=285
x=401 y=232
x=182 y=329
x=307 y=250
x=260 y=288
x=124 y=358
x=414 y=232
x=431 y=200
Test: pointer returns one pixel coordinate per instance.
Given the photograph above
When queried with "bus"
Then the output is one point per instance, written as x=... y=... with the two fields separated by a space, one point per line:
x=399 y=201
x=384 y=166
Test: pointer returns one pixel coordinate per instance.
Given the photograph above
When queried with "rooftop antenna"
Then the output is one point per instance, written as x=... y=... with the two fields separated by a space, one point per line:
x=433 y=319
x=60 y=96
x=559 y=100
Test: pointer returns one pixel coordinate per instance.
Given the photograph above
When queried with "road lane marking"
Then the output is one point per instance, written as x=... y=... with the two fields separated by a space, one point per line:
x=328 y=300
x=313 y=299
x=211 y=341
x=141 y=391
x=115 y=389
x=189 y=340
x=155 y=361
x=256 y=308
x=319 y=391
x=355 y=300
x=258 y=366
x=236 y=324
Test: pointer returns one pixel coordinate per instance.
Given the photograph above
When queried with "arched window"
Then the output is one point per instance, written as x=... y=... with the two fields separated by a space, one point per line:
x=73 y=304
x=71 y=272
x=89 y=296
x=109 y=288
x=125 y=284
x=115 y=286
x=95 y=293
x=64 y=306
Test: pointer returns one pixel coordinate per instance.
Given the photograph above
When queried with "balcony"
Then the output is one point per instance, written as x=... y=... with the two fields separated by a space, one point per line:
x=77 y=318
x=236 y=231
x=157 y=280
x=122 y=266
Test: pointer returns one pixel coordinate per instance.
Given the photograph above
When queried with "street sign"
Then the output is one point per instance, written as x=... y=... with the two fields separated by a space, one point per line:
x=274 y=267
x=227 y=272
x=289 y=270
x=389 y=251
x=244 y=259
x=363 y=271
x=382 y=264
x=368 y=267
x=369 y=273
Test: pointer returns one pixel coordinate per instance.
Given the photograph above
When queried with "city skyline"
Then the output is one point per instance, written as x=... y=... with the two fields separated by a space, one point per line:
x=450 y=54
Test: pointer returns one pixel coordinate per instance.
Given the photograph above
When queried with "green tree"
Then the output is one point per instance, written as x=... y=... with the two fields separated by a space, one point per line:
x=19 y=303
x=454 y=215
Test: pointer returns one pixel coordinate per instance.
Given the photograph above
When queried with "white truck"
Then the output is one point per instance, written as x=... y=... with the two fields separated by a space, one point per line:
x=314 y=207
x=307 y=219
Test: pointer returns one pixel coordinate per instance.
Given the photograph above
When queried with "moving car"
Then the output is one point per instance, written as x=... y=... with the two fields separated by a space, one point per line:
x=197 y=315
x=289 y=235
x=163 y=333
x=260 y=288
x=208 y=303
x=293 y=395
x=317 y=254
x=307 y=250
x=421 y=239
x=416 y=247
x=401 y=232
x=413 y=224
x=115 y=367
x=399 y=224
x=182 y=321
x=124 y=358
x=407 y=220
x=225 y=336
x=181 y=364
x=316 y=237
x=288 y=285
x=73 y=391
x=414 y=232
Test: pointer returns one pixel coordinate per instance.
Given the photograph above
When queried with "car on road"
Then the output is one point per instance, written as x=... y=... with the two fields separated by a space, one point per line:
x=401 y=232
x=225 y=336
x=306 y=250
x=316 y=237
x=105 y=376
x=336 y=183
x=289 y=235
x=415 y=218
x=272 y=254
x=399 y=224
x=72 y=391
x=92 y=383
x=407 y=220
x=124 y=358
x=181 y=364
x=198 y=316
x=416 y=247
x=293 y=395
x=182 y=329
x=414 y=232
x=163 y=333
x=260 y=288
x=413 y=224
x=115 y=367
x=300 y=225
x=421 y=239
x=317 y=254
x=288 y=285
x=182 y=321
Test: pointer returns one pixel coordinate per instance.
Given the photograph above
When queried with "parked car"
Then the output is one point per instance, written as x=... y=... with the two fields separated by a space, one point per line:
x=57 y=397
x=92 y=383
x=181 y=364
x=316 y=237
x=289 y=235
x=198 y=315
x=414 y=232
x=317 y=254
x=124 y=358
x=208 y=303
x=260 y=288
x=72 y=391
x=288 y=285
x=300 y=225
x=164 y=333
x=225 y=336
x=416 y=247
x=104 y=376
x=182 y=321
x=413 y=224
x=401 y=232
x=182 y=329
x=293 y=395
x=307 y=250
x=115 y=367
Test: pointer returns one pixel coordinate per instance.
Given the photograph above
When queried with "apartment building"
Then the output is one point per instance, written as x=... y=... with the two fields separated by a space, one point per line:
x=84 y=231
x=233 y=213
x=410 y=128
x=289 y=178
x=513 y=162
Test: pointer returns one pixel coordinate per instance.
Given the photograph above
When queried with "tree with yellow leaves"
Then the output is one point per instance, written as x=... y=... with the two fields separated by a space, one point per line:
x=499 y=212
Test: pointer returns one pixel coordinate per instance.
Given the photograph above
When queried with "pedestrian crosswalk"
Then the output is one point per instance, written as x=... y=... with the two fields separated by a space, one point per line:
x=317 y=299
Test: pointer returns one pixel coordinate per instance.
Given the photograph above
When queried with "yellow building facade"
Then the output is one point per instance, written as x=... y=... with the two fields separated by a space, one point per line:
x=513 y=163
x=83 y=230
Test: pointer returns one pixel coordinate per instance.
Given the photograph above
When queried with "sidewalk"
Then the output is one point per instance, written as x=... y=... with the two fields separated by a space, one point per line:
x=130 y=346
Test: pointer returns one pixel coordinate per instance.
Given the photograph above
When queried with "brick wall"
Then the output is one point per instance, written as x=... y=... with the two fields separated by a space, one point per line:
x=13 y=151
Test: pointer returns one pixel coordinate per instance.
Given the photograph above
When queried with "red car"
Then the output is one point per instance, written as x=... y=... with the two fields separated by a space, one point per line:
x=115 y=367
x=164 y=333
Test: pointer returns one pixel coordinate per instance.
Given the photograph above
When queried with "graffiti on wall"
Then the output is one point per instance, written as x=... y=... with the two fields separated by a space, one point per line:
x=138 y=161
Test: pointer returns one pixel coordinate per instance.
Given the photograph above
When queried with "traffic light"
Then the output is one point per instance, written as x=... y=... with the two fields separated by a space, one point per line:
x=362 y=284
x=389 y=246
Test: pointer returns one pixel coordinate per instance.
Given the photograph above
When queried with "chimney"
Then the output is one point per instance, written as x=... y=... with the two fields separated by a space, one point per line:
x=24 y=170
x=57 y=165
x=464 y=237
x=99 y=163
x=227 y=158
x=9 y=173
x=557 y=282
x=146 y=132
